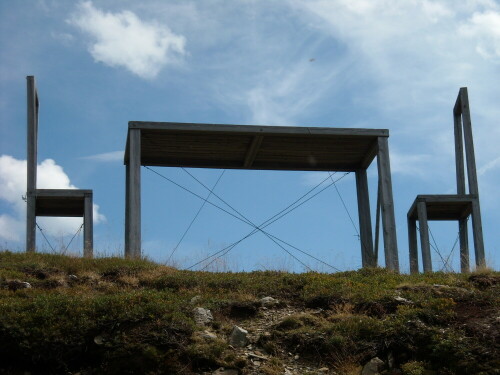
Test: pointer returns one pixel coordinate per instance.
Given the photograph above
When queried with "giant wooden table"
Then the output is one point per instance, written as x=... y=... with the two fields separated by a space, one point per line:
x=172 y=144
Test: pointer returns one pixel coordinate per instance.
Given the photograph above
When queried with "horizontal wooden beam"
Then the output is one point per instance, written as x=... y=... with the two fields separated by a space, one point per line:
x=252 y=151
x=256 y=129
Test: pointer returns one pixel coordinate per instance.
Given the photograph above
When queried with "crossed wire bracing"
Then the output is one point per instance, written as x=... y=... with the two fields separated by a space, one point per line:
x=257 y=228
x=435 y=247
x=65 y=248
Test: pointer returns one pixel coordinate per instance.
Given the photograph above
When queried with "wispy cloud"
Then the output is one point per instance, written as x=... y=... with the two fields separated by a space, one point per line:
x=124 y=40
x=492 y=164
x=106 y=156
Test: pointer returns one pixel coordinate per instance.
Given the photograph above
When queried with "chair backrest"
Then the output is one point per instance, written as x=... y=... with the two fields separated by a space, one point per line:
x=463 y=137
x=32 y=141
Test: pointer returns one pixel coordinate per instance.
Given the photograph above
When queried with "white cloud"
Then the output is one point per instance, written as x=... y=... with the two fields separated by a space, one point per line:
x=106 y=156
x=492 y=164
x=484 y=28
x=13 y=187
x=122 y=39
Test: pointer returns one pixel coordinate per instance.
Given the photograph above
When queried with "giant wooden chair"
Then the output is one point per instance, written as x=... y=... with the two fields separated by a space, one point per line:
x=51 y=202
x=458 y=206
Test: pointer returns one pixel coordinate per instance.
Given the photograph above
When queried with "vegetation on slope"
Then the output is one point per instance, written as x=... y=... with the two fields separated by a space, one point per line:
x=121 y=316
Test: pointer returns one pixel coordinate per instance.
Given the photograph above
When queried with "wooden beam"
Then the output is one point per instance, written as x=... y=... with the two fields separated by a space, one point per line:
x=370 y=155
x=387 y=205
x=88 y=227
x=477 y=228
x=377 y=225
x=133 y=204
x=31 y=141
x=464 y=245
x=424 y=236
x=365 y=226
x=252 y=151
x=412 y=241
x=459 y=154
x=256 y=129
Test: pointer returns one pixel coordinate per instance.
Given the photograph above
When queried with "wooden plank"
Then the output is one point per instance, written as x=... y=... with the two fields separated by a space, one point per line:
x=424 y=236
x=252 y=151
x=459 y=154
x=377 y=224
x=412 y=242
x=370 y=155
x=477 y=228
x=31 y=139
x=365 y=227
x=387 y=205
x=30 y=222
x=134 y=195
x=88 y=227
x=256 y=129
x=63 y=193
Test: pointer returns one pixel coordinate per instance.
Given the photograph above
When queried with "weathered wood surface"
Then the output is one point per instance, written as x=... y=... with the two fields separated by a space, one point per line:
x=444 y=207
x=424 y=236
x=365 y=226
x=256 y=147
x=387 y=205
x=133 y=204
x=413 y=245
x=88 y=226
x=31 y=141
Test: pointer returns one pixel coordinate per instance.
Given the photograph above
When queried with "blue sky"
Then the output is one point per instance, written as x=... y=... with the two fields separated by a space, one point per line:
x=357 y=63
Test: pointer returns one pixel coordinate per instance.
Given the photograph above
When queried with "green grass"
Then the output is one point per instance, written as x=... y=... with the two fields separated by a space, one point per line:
x=123 y=316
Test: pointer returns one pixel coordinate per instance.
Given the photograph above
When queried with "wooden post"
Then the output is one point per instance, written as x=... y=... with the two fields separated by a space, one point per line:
x=377 y=224
x=459 y=162
x=424 y=236
x=32 y=132
x=88 y=226
x=387 y=205
x=477 y=228
x=464 y=246
x=127 y=215
x=365 y=227
x=133 y=206
x=412 y=241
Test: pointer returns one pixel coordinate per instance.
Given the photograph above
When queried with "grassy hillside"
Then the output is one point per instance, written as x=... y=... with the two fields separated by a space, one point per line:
x=116 y=316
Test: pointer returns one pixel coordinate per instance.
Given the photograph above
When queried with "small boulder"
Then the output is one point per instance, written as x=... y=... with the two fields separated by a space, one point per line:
x=373 y=367
x=268 y=301
x=223 y=371
x=207 y=335
x=72 y=277
x=17 y=284
x=195 y=299
x=202 y=316
x=238 y=337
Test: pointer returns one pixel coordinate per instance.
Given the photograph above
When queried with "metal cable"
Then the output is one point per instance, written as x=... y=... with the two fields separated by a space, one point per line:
x=72 y=238
x=195 y=216
x=230 y=247
x=46 y=239
x=269 y=235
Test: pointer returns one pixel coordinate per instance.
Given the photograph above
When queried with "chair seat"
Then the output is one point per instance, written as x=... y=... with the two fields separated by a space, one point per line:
x=61 y=202
x=444 y=207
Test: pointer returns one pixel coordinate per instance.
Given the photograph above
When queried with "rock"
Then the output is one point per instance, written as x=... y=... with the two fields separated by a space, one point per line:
x=222 y=371
x=324 y=369
x=195 y=299
x=268 y=301
x=17 y=284
x=99 y=340
x=207 y=335
x=202 y=316
x=373 y=367
x=238 y=337
x=402 y=300
x=72 y=277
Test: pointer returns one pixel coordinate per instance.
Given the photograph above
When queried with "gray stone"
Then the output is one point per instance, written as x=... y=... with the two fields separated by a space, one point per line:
x=403 y=300
x=238 y=337
x=17 y=284
x=195 y=299
x=268 y=301
x=208 y=335
x=202 y=316
x=222 y=371
x=373 y=367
